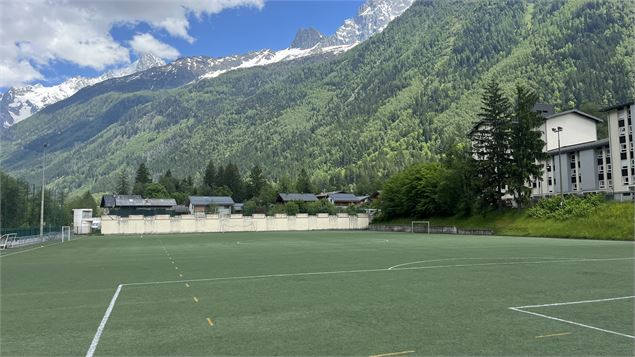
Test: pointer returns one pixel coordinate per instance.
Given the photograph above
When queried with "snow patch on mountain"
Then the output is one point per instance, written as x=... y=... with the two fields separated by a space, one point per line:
x=19 y=103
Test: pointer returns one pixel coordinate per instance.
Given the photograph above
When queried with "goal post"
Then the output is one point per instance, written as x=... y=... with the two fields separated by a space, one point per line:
x=66 y=233
x=425 y=227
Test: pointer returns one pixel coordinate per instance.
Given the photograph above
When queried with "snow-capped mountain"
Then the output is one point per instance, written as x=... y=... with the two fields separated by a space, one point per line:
x=19 y=103
x=150 y=72
x=372 y=17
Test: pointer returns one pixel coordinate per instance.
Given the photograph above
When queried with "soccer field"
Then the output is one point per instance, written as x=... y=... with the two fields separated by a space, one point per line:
x=319 y=293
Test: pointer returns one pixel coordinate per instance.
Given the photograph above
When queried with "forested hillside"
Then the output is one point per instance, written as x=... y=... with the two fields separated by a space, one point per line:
x=403 y=96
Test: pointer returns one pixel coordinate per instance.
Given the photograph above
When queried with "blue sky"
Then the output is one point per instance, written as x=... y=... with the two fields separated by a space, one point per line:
x=246 y=26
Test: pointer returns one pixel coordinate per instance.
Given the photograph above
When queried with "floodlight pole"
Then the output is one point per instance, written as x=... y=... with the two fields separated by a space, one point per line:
x=557 y=131
x=42 y=201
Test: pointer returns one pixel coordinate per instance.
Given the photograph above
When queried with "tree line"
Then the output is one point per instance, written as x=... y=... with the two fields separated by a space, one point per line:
x=504 y=155
x=20 y=204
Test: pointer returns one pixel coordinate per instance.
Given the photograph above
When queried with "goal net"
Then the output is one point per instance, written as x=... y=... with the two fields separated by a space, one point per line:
x=420 y=226
x=244 y=224
x=66 y=233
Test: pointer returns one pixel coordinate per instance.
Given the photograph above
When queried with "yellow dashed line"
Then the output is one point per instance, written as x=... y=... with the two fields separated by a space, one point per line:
x=210 y=322
x=393 y=354
x=555 y=334
x=195 y=299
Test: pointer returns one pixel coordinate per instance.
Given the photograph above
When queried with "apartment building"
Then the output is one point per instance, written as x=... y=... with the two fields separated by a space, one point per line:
x=620 y=125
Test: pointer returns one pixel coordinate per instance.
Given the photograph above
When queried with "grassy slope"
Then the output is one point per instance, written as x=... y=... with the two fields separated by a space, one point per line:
x=612 y=220
x=53 y=298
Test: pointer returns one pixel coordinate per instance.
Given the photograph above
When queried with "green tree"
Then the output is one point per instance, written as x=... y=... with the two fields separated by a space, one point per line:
x=526 y=146
x=155 y=190
x=210 y=177
x=491 y=144
x=256 y=182
x=143 y=175
x=168 y=181
x=303 y=184
x=123 y=187
x=413 y=192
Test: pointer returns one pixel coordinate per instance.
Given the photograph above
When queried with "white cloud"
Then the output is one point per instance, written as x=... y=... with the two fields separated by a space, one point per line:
x=146 y=43
x=35 y=33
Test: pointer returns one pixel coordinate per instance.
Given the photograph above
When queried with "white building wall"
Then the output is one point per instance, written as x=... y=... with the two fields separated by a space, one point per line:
x=622 y=155
x=233 y=223
x=576 y=129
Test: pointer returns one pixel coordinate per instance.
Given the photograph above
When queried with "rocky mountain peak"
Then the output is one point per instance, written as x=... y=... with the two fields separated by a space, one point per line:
x=307 y=38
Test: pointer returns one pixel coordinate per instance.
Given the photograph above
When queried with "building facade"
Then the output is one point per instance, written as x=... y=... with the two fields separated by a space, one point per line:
x=581 y=163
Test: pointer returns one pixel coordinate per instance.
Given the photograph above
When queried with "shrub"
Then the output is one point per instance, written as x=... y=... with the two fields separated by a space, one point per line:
x=572 y=206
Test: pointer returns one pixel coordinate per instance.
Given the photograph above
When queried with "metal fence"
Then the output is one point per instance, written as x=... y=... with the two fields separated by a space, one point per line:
x=433 y=229
x=22 y=237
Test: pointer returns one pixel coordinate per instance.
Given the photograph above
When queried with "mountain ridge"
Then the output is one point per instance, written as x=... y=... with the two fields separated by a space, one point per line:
x=403 y=96
x=20 y=103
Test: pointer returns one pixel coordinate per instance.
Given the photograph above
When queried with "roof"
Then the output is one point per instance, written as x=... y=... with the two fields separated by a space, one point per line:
x=107 y=201
x=343 y=197
x=211 y=201
x=112 y=201
x=578 y=147
x=302 y=197
x=618 y=106
x=575 y=111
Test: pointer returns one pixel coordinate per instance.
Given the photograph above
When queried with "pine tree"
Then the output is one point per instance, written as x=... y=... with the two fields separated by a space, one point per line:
x=210 y=178
x=492 y=145
x=256 y=182
x=303 y=184
x=526 y=145
x=123 y=188
x=143 y=175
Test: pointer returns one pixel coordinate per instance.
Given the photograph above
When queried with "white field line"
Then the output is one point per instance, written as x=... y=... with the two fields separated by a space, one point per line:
x=446 y=259
x=371 y=270
x=574 y=302
x=100 y=329
x=572 y=322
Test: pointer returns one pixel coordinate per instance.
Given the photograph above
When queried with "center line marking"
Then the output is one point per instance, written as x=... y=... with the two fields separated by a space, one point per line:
x=210 y=322
x=392 y=354
x=554 y=335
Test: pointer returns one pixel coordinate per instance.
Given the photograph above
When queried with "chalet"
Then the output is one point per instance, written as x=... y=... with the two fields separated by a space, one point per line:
x=127 y=205
x=295 y=197
x=210 y=204
x=343 y=199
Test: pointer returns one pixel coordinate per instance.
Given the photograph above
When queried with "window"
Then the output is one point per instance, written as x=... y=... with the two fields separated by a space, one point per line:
x=601 y=183
x=608 y=168
x=624 y=172
x=548 y=167
x=610 y=183
x=601 y=169
x=623 y=155
x=600 y=161
x=620 y=122
x=573 y=179
x=621 y=130
x=574 y=187
x=622 y=147
x=625 y=180
x=622 y=139
x=573 y=173
x=608 y=159
x=549 y=182
x=609 y=176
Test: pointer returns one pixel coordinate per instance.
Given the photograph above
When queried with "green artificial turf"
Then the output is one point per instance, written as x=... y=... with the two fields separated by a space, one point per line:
x=318 y=293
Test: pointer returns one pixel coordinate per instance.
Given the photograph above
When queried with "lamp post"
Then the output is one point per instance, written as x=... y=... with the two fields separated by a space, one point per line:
x=42 y=201
x=557 y=131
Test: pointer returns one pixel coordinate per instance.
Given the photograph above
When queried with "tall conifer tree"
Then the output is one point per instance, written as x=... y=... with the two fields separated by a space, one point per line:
x=526 y=145
x=492 y=145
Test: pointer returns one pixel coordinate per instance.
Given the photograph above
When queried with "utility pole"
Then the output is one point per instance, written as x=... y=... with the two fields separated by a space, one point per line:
x=42 y=201
x=557 y=131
